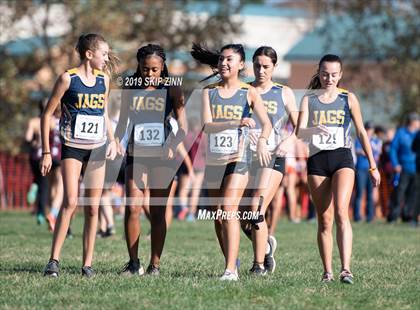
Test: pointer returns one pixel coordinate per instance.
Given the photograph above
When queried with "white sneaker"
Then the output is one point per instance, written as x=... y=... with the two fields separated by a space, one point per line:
x=269 y=261
x=229 y=276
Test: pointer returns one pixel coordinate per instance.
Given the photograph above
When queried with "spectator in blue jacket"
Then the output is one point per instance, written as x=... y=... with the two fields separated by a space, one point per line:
x=362 y=174
x=404 y=163
x=416 y=149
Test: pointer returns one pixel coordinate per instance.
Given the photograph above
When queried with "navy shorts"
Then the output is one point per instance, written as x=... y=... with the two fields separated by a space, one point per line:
x=82 y=155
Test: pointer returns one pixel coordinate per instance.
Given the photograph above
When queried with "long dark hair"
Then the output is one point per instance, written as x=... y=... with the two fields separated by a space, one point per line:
x=315 y=82
x=149 y=50
x=211 y=58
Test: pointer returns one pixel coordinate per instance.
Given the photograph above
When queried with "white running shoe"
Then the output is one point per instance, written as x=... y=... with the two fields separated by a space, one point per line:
x=269 y=261
x=229 y=276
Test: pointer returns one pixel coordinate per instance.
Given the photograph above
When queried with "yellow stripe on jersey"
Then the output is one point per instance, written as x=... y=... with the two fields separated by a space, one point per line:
x=343 y=91
x=98 y=73
x=278 y=84
x=213 y=85
x=242 y=85
x=245 y=85
x=72 y=71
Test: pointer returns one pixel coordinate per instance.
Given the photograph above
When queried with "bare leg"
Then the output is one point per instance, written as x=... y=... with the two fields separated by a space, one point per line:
x=169 y=213
x=135 y=192
x=71 y=169
x=292 y=197
x=195 y=192
x=94 y=181
x=234 y=187
x=160 y=191
x=276 y=205
x=320 y=188
x=342 y=185
x=268 y=180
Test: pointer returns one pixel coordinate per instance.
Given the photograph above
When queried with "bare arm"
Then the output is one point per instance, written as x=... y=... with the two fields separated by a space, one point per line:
x=111 y=151
x=303 y=117
x=60 y=87
x=187 y=160
x=290 y=105
x=360 y=129
x=302 y=130
x=257 y=105
x=363 y=137
x=33 y=127
x=178 y=99
x=109 y=130
x=124 y=112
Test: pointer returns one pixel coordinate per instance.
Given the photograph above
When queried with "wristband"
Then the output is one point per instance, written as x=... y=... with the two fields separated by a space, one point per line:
x=45 y=153
x=372 y=169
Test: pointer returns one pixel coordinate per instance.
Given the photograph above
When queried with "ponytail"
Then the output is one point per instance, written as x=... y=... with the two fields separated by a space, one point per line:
x=211 y=58
x=112 y=64
x=206 y=57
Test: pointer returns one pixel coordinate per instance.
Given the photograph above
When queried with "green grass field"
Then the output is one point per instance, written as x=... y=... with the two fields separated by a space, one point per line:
x=386 y=263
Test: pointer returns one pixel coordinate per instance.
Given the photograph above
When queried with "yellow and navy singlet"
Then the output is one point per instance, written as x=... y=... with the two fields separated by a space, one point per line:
x=276 y=111
x=82 y=123
x=149 y=113
x=336 y=116
x=229 y=145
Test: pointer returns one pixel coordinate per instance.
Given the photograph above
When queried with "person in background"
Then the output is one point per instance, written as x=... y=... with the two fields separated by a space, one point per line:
x=386 y=171
x=416 y=149
x=50 y=189
x=3 y=203
x=190 y=181
x=404 y=163
x=362 y=175
x=33 y=138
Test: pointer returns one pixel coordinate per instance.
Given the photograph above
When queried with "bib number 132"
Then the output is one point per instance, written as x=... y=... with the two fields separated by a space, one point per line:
x=149 y=134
